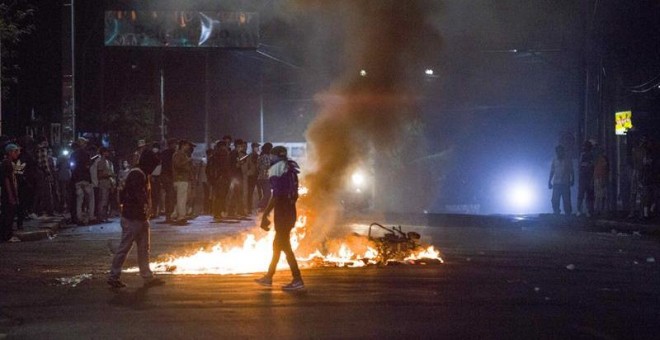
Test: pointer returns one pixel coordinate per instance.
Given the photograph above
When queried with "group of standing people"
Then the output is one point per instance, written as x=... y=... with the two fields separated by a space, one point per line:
x=594 y=179
x=234 y=181
x=34 y=183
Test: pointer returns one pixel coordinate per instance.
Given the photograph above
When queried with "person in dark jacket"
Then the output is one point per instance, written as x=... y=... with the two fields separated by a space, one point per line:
x=135 y=226
x=283 y=176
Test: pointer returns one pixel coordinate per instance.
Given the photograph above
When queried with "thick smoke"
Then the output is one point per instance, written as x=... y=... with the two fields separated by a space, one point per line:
x=373 y=114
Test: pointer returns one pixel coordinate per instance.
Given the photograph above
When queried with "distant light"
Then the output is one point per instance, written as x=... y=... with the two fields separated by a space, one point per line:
x=363 y=73
x=521 y=196
x=65 y=152
x=429 y=72
x=358 y=179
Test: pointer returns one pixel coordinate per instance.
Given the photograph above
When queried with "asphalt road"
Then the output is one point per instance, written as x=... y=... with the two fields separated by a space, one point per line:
x=509 y=281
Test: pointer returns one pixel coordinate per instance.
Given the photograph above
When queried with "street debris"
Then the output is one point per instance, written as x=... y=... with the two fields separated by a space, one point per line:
x=650 y=259
x=570 y=267
x=74 y=280
x=397 y=247
x=537 y=289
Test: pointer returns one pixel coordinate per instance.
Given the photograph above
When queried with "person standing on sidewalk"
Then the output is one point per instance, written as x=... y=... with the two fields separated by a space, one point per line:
x=283 y=176
x=166 y=179
x=9 y=200
x=181 y=172
x=263 y=164
x=586 y=181
x=561 y=180
x=251 y=177
x=135 y=226
x=103 y=175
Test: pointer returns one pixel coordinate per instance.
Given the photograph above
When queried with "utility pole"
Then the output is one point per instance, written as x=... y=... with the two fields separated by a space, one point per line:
x=0 y=83
x=68 y=72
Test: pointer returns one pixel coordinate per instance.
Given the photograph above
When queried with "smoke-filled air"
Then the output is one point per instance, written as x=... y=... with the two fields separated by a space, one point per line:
x=370 y=114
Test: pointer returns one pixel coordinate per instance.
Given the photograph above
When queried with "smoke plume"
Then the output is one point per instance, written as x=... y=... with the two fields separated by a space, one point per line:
x=371 y=110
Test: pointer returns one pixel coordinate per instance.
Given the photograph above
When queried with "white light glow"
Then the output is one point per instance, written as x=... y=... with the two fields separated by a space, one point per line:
x=521 y=196
x=363 y=73
x=357 y=178
x=429 y=72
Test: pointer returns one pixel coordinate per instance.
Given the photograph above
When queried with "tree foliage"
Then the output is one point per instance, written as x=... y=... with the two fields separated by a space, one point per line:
x=132 y=119
x=15 y=23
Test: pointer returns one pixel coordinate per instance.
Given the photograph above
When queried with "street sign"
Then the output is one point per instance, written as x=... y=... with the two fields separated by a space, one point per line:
x=623 y=122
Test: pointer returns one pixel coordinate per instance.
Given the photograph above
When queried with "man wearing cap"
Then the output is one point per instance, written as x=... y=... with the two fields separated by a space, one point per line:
x=181 y=172
x=283 y=175
x=9 y=201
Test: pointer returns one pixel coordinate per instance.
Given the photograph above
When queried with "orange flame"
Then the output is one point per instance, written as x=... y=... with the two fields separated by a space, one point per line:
x=251 y=253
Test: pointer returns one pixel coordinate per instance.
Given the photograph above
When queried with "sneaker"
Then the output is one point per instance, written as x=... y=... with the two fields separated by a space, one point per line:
x=296 y=284
x=14 y=239
x=115 y=283
x=265 y=281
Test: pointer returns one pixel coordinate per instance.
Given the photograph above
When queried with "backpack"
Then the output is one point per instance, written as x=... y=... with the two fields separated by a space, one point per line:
x=291 y=178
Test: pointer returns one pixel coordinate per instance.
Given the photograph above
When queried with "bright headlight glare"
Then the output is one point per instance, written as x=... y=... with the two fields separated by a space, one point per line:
x=357 y=178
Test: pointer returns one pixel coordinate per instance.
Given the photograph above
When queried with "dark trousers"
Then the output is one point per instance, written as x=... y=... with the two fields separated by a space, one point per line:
x=282 y=243
x=285 y=219
x=170 y=196
x=43 y=200
x=251 y=185
x=585 y=194
x=7 y=220
x=25 y=199
x=156 y=187
x=561 y=192
x=235 y=204
x=264 y=188
x=219 y=191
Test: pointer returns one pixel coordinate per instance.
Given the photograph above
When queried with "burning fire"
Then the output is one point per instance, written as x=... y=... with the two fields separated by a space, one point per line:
x=251 y=253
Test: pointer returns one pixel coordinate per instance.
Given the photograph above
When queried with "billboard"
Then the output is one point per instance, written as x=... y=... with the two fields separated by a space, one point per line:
x=623 y=122
x=182 y=29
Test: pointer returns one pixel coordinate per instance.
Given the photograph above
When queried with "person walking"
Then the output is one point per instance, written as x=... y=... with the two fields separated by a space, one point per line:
x=561 y=180
x=283 y=175
x=135 y=224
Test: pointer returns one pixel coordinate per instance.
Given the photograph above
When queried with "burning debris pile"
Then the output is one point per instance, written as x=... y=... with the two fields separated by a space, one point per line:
x=250 y=254
x=393 y=247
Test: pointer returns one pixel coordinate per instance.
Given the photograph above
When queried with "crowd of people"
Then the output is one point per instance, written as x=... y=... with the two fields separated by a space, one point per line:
x=593 y=182
x=84 y=181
